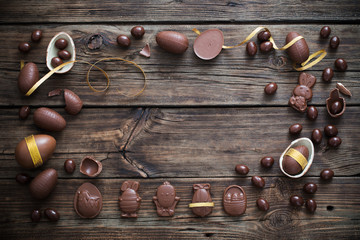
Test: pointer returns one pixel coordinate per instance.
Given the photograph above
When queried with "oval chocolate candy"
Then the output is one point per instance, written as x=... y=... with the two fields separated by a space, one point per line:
x=49 y=119
x=73 y=102
x=209 y=44
x=234 y=200
x=44 y=183
x=173 y=42
x=44 y=145
x=299 y=51
x=88 y=201
x=28 y=76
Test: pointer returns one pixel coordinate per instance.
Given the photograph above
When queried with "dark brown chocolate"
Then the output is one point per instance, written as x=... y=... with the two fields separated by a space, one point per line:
x=334 y=42
x=69 y=166
x=328 y=74
x=90 y=167
x=28 y=76
x=201 y=196
x=23 y=178
x=36 y=35
x=290 y=165
x=209 y=44
x=311 y=205
x=330 y=130
x=166 y=200
x=61 y=43
x=310 y=188
x=312 y=113
x=123 y=41
x=88 y=201
x=263 y=36
x=267 y=162
x=341 y=64
x=234 y=200
x=334 y=142
x=64 y=55
x=316 y=136
x=129 y=201
x=295 y=129
x=262 y=204
x=258 y=181
x=44 y=183
x=24 y=112
x=137 y=32
x=270 y=88
x=35 y=215
x=299 y=51
x=52 y=214
x=56 y=61
x=242 y=169
x=296 y=201
x=325 y=32
x=302 y=93
x=251 y=48
x=24 y=47
x=335 y=104
x=266 y=46
x=327 y=174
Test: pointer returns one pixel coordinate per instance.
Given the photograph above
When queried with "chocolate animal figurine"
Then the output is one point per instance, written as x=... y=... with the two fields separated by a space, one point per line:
x=165 y=200
x=129 y=201
x=202 y=204
x=302 y=93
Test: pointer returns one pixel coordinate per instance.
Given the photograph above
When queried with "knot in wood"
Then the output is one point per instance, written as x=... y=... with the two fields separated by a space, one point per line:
x=280 y=219
x=277 y=62
x=95 y=42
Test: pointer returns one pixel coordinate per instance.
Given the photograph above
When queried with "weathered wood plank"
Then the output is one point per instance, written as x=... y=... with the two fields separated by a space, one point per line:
x=337 y=213
x=178 y=11
x=232 y=79
x=203 y=142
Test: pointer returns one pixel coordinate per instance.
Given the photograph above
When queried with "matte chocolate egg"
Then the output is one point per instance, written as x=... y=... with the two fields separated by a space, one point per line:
x=73 y=102
x=23 y=178
x=44 y=183
x=49 y=119
x=299 y=51
x=28 y=76
x=44 y=143
x=173 y=42
x=209 y=44
x=90 y=167
x=290 y=165
x=88 y=201
x=234 y=200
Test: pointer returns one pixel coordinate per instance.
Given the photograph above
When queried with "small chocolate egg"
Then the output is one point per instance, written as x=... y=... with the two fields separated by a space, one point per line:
x=35 y=215
x=242 y=169
x=44 y=183
x=52 y=214
x=173 y=42
x=267 y=162
x=296 y=201
x=45 y=144
x=137 y=32
x=23 y=178
x=310 y=188
x=24 y=112
x=316 y=136
x=65 y=55
x=73 y=102
x=290 y=165
x=264 y=36
x=49 y=119
x=266 y=46
x=36 y=35
x=28 y=76
x=334 y=142
x=61 y=43
x=295 y=129
x=327 y=174
x=262 y=204
x=330 y=130
x=299 y=51
x=69 y=166
x=251 y=48
x=312 y=113
x=123 y=41
x=311 y=205
x=258 y=181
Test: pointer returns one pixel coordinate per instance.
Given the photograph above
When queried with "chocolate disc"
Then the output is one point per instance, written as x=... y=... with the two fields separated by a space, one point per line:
x=209 y=44
x=87 y=201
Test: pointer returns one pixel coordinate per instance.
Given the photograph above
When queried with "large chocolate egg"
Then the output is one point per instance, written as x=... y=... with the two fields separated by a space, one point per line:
x=299 y=51
x=49 y=119
x=290 y=165
x=28 y=76
x=45 y=144
x=44 y=183
x=173 y=42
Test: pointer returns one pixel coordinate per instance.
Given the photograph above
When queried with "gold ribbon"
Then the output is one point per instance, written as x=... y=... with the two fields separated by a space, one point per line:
x=289 y=44
x=201 y=204
x=49 y=74
x=295 y=154
x=22 y=64
x=34 y=151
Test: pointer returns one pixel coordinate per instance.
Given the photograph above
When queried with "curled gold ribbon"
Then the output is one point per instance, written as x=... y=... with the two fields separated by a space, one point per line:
x=201 y=204
x=22 y=64
x=299 y=158
x=49 y=74
x=34 y=151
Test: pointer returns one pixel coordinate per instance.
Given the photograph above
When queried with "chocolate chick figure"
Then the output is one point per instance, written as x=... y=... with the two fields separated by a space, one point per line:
x=166 y=200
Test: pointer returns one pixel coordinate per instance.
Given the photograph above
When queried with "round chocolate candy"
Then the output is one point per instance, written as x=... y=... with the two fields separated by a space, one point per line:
x=258 y=181
x=330 y=130
x=36 y=35
x=251 y=48
x=296 y=201
x=123 y=41
x=242 y=169
x=65 y=55
x=311 y=205
x=327 y=174
x=310 y=188
x=325 y=32
x=137 y=32
x=266 y=46
x=88 y=201
x=341 y=64
x=23 y=178
x=56 y=61
x=264 y=36
x=334 y=42
x=334 y=142
x=299 y=51
x=52 y=214
x=69 y=166
x=327 y=74
x=61 y=43
x=295 y=129
x=209 y=44
x=24 y=47
x=267 y=162
x=312 y=113
x=262 y=204
x=316 y=136
x=35 y=215
x=24 y=112
x=270 y=88
x=290 y=165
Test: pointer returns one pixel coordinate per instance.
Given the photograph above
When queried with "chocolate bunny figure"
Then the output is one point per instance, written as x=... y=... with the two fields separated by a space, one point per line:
x=129 y=201
x=302 y=93
x=165 y=200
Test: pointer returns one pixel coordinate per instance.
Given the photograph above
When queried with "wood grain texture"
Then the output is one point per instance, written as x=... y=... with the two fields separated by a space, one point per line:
x=231 y=79
x=177 y=11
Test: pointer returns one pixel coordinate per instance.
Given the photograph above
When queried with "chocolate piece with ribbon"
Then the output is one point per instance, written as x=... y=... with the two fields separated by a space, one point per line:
x=295 y=159
x=202 y=203
x=302 y=93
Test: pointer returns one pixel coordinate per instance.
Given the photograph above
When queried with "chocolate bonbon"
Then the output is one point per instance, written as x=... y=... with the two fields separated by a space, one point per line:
x=24 y=47
x=334 y=42
x=327 y=174
x=335 y=104
x=165 y=200
x=330 y=130
x=89 y=166
x=28 y=76
x=299 y=51
x=258 y=181
x=137 y=32
x=23 y=178
x=296 y=201
x=36 y=35
x=209 y=44
x=129 y=201
x=325 y=32
x=41 y=147
x=49 y=119
x=123 y=41
x=35 y=215
x=234 y=200
x=251 y=48
x=328 y=74
x=173 y=42
x=24 y=112
x=311 y=205
x=44 y=183
x=316 y=136
x=310 y=188
x=341 y=64
x=242 y=169
x=262 y=204
x=295 y=129
x=88 y=201
x=202 y=203
x=267 y=162
x=334 y=142
x=312 y=113
x=270 y=88
x=69 y=166
x=302 y=93
x=52 y=214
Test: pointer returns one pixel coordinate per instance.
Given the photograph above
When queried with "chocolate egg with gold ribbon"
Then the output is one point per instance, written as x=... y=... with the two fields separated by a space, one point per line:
x=299 y=51
x=34 y=150
x=297 y=158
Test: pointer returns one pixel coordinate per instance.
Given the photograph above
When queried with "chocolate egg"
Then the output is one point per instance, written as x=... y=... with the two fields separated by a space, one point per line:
x=299 y=51
x=28 y=76
x=290 y=165
x=44 y=143
x=234 y=200
x=173 y=42
x=49 y=119
x=335 y=104
x=258 y=181
x=209 y=44
x=90 y=167
x=44 y=183
x=73 y=102
x=88 y=201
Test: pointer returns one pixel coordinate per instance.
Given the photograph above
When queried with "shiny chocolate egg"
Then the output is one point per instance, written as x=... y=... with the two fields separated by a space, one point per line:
x=299 y=51
x=290 y=165
x=44 y=183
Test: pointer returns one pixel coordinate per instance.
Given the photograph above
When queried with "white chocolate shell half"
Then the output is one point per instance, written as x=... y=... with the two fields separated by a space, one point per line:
x=52 y=52
x=298 y=142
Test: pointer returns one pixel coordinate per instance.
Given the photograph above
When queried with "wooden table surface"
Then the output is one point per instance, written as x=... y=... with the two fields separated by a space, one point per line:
x=194 y=122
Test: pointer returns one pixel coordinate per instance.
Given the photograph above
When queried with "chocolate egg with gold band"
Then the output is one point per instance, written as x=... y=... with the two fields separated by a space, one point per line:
x=299 y=51
x=297 y=158
x=34 y=150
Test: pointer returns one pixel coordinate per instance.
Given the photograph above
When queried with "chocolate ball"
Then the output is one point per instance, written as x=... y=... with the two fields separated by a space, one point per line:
x=296 y=201
x=327 y=174
x=69 y=166
x=35 y=215
x=56 y=61
x=330 y=130
x=311 y=205
x=137 y=32
x=341 y=64
x=327 y=74
x=123 y=41
x=316 y=136
x=24 y=47
x=310 y=188
x=242 y=169
x=52 y=214
x=65 y=55
x=336 y=107
x=290 y=165
x=251 y=48
x=266 y=46
x=24 y=112
x=267 y=162
x=325 y=32
x=334 y=142
x=23 y=178
x=258 y=181
x=334 y=42
x=262 y=204
x=36 y=35
x=263 y=36
x=61 y=43
x=295 y=129
x=270 y=88
x=312 y=113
